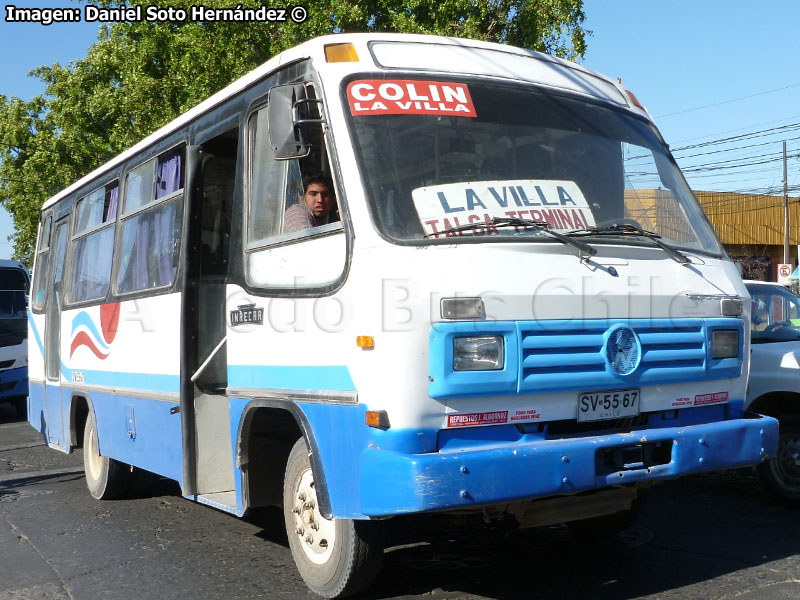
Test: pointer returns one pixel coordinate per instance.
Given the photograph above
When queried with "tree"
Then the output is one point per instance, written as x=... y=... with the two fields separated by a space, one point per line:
x=139 y=76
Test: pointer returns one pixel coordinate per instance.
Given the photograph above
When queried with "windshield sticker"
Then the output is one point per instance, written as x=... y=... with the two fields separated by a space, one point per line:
x=409 y=97
x=560 y=204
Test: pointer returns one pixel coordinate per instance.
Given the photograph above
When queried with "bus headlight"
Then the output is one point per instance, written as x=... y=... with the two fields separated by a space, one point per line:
x=478 y=353
x=724 y=343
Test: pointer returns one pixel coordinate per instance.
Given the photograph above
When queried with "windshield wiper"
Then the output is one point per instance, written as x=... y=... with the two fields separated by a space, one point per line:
x=539 y=226
x=629 y=229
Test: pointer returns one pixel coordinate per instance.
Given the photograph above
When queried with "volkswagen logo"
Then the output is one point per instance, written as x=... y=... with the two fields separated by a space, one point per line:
x=623 y=350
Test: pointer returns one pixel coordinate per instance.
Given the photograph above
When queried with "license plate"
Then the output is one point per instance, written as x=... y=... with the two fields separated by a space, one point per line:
x=613 y=404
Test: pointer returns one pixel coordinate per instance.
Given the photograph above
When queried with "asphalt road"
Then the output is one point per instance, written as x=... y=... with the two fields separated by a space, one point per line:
x=704 y=537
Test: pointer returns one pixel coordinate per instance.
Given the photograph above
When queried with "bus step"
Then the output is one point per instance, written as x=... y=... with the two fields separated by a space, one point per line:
x=220 y=500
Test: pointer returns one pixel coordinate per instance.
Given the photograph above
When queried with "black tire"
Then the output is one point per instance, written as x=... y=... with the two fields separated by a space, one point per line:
x=781 y=474
x=345 y=556
x=106 y=478
x=608 y=526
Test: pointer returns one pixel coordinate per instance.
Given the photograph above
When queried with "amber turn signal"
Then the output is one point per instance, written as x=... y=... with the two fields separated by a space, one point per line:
x=365 y=341
x=377 y=418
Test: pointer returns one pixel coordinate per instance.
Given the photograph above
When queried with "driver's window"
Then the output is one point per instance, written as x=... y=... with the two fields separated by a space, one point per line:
x=289 y=199
x=295 y=237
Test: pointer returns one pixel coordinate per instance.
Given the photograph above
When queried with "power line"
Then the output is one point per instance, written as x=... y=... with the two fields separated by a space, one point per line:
x=751 y=134
x=734 y=148
x=700 y=137
x=680 y=112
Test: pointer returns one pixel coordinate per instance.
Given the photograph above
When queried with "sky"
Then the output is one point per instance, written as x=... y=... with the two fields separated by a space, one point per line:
x=706 y=70
x=25 y=46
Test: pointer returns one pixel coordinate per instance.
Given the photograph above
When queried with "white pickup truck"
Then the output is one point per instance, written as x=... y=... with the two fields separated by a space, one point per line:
x=774 y=385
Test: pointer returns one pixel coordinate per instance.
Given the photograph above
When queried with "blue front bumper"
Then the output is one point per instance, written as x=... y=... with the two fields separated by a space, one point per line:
x=496 y=471
x=14 y=382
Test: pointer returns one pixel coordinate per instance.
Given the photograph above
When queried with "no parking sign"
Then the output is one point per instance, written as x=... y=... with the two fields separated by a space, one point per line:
x=784 y=271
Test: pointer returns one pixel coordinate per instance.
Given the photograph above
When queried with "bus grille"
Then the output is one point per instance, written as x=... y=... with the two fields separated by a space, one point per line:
x=570 y=355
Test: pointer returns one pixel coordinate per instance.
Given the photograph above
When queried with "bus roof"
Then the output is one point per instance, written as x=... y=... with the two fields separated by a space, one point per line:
x=12 y=264
x=571 y=76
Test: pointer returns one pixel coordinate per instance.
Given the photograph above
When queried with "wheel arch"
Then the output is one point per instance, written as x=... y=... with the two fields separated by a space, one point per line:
x=80 y=405
x=286 y=412
x=778 y=404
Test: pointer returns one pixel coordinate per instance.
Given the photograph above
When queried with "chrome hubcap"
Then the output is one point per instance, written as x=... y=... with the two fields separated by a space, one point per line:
x=315 y=533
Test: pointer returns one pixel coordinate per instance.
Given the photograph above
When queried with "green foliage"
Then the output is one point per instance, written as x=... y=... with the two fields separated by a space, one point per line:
x=139 y=76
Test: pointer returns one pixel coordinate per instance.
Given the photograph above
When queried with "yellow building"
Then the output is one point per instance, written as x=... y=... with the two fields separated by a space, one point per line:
x=749 y=225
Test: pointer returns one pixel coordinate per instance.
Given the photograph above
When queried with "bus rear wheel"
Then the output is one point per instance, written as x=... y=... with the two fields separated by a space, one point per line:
x=335 y=557
x=106 y=478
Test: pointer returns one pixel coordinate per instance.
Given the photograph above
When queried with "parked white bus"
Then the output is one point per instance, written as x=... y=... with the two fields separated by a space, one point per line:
x=14 y=284
x=383 y=275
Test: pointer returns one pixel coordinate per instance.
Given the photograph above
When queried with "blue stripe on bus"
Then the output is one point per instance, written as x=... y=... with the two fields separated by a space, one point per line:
x=144 y=382
x=36 y=335
x=306 y=377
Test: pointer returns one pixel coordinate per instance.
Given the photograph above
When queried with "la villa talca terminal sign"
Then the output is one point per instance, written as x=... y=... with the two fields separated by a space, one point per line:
x=559 y=203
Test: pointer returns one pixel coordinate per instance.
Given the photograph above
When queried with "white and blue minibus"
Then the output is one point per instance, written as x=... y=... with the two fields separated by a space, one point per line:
x=501 y=298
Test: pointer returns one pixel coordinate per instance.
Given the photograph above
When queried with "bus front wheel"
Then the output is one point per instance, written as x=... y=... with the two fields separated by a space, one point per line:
x=335 y=557
x=106 y=478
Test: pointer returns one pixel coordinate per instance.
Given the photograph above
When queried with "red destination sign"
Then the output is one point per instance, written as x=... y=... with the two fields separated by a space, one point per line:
x=409 y=97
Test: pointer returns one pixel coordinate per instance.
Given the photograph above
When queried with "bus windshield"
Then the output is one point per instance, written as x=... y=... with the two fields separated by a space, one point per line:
x=13 y=287
x=441 y=160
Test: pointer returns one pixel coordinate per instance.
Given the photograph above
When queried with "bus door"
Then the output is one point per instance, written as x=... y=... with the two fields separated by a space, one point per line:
x=52 y=345
x=204 y=338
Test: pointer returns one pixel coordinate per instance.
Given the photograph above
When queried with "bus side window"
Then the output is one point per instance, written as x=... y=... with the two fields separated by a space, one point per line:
x=288 y=244
x=93 y=241
x=42 y=263
x=151 y=224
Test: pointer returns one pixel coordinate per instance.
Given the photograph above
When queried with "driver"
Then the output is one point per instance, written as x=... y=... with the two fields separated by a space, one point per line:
x=316 y=207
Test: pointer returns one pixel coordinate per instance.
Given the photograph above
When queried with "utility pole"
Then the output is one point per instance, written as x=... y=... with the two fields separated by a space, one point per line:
x=785 y=210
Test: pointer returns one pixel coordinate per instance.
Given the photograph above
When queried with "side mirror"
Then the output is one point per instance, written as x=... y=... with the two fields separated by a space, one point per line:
x=288 y=114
